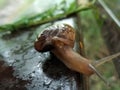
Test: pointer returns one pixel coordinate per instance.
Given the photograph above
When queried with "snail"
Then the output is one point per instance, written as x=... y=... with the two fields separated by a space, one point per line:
x=45 y=40
x=60 y=39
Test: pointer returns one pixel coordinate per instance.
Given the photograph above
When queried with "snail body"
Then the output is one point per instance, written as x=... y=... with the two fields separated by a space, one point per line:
x=73 y=60
x=59 y=39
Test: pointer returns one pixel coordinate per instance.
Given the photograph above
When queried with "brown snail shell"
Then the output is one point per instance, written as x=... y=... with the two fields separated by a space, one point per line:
x=44 y=40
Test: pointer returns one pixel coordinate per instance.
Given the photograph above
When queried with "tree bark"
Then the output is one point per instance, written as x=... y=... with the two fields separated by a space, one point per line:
x=111 y=35
x=83 y=81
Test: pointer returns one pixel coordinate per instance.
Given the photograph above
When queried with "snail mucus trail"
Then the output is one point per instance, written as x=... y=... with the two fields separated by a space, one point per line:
x=59 y=39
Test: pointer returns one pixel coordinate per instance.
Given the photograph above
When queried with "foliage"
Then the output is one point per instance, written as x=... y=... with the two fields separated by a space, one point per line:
x=54 y=13
x=95 y=48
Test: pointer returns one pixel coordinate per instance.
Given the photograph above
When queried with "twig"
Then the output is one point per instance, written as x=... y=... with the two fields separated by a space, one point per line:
x=109 y=11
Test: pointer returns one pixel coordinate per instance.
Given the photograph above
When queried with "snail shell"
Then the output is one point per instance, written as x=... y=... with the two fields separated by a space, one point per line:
x=44 y=40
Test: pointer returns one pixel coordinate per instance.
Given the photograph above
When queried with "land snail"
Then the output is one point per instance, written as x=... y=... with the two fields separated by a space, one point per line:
x=59 y=39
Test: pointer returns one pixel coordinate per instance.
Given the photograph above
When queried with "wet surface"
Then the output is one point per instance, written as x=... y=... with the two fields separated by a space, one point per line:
x=23 y=68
